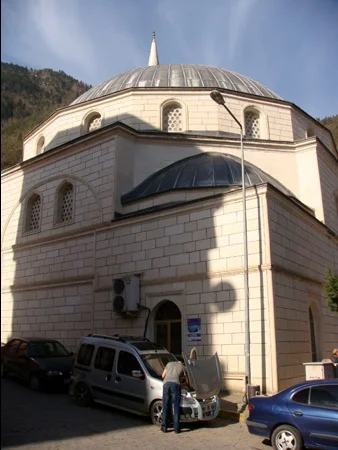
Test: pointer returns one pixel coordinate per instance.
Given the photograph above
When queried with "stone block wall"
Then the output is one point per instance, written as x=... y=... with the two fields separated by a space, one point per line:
x=303 y=128
x=89 y=168
x=192 y=255
x=300 y=249
x=142 y=110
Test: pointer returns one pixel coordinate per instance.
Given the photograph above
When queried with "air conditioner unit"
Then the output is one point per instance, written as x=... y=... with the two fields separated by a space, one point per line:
x=126 y=295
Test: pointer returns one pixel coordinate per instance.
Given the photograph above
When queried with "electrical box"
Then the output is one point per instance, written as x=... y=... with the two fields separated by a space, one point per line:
x=319 y=370
x=126 y=294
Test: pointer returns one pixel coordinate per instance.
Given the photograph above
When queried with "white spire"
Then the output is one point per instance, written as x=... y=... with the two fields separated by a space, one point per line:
x=153 y=58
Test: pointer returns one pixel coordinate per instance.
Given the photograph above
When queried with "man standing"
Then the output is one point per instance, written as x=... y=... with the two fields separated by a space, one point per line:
x=172 y=393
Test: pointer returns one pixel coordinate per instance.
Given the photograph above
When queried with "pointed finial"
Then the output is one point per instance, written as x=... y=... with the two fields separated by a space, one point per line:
x=153 y=58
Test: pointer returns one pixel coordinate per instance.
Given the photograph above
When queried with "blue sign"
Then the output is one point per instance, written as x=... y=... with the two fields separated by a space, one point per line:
x=194 y=329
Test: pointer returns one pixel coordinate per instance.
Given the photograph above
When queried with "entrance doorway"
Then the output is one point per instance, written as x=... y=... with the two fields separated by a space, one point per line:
x=168 y=328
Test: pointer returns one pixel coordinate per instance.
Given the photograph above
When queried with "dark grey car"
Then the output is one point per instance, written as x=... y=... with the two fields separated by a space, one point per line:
x=41 y=362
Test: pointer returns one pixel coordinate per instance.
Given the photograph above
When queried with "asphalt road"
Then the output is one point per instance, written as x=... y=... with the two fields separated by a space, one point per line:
x=39 y=420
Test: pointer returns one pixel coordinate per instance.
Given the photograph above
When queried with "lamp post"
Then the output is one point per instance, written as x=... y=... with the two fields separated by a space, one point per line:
x=219 y=99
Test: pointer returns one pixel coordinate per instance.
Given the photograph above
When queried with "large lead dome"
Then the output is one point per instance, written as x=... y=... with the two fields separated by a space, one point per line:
x=177 y=76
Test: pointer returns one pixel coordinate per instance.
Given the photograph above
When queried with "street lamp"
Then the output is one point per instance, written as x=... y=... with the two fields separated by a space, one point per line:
x=219 y=99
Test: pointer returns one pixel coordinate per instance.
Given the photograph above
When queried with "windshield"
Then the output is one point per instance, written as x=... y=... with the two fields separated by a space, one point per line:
x=155 y=363
x=47 y=349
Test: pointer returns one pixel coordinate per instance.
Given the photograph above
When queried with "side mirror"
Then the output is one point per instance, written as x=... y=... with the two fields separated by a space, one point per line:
x=137 y=374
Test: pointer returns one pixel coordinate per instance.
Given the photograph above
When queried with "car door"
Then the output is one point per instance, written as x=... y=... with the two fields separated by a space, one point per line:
x=130 y=382
x=315 y=413
x=22 y=362
x=102 y=377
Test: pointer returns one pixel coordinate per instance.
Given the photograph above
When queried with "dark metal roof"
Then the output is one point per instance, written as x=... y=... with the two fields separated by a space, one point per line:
x=177 y=76
x=205 y=170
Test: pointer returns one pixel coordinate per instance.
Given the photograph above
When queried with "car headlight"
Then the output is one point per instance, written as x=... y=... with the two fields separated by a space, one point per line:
x=54 y=373
x=187 y=397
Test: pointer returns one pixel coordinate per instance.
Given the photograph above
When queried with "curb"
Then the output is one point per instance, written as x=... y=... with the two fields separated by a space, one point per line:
x=232 y=415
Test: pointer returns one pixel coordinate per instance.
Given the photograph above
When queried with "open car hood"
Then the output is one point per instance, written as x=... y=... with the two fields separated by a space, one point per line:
x=205 y=375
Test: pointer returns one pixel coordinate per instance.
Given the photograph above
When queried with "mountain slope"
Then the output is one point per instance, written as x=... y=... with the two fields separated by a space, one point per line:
x=27 y=97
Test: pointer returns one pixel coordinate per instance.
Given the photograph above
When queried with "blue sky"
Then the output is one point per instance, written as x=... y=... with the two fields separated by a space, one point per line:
x=290 y=46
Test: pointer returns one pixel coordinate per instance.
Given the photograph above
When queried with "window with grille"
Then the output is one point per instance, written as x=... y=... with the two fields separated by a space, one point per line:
x=172 y=118
x=33 y=213
x=94 y=123
x=252 y=128
x=66 y=203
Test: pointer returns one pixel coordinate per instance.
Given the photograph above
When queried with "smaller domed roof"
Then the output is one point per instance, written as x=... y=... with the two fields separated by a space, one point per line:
x=205 y=170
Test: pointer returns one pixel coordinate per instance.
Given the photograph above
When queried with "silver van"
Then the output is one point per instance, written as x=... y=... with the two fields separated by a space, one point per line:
x=125 y=372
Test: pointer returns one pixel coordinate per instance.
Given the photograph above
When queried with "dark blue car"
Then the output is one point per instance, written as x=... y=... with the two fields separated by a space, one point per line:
x=304 y=415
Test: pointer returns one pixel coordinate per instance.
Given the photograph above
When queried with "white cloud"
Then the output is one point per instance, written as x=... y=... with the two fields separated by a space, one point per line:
x=240 y=14
x=58 y=24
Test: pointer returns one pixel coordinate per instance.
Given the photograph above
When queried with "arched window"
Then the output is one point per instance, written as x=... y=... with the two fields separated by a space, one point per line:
x=312 y=336
x=172 y=118
x=33 y=213
x=93 y=122
x=65 y=203
x=40 y=145
x=252 y=124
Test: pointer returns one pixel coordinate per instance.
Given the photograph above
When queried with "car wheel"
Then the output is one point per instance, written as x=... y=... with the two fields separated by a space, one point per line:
x=82 y=395
x=3 y=370
x=156 y=413
x=286 y=437
x=34 y=383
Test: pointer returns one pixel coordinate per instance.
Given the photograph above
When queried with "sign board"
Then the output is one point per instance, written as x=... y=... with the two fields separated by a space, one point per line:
x=194 y=330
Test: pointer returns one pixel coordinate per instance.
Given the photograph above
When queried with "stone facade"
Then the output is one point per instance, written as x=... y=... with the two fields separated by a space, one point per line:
x=186 y=246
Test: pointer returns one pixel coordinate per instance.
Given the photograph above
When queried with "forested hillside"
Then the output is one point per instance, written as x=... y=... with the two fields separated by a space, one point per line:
x=27 y=97
x=331 y=123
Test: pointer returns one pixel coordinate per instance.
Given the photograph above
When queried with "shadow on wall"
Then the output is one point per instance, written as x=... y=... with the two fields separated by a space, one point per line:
x=58 y=276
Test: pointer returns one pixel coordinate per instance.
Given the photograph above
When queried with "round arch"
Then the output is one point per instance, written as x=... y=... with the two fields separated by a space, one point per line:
x=262 y=117
x=40 y=146
x=168 y=327
x=90 y=116
x=174 y=102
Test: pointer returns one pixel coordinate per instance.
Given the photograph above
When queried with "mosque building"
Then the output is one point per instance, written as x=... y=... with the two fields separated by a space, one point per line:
x=126 y=217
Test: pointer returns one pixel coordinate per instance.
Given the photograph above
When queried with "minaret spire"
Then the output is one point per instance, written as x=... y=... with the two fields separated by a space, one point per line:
x=153 y=58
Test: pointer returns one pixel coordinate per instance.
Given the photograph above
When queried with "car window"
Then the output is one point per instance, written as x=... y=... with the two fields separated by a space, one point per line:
x=12 y=347
x=47 y=349
x=85 y=354
x=23 y=349
x=155 y=363
x=104 y=359
x=324 y=396
x=127 y=363
x=302 y=396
